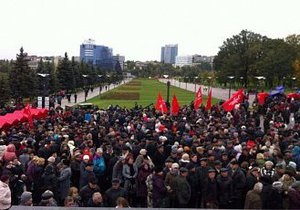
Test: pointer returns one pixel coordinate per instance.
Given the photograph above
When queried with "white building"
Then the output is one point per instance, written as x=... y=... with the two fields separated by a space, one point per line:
x=185 y=60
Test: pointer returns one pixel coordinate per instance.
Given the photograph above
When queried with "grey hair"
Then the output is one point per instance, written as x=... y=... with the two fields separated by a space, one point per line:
x=258 y=187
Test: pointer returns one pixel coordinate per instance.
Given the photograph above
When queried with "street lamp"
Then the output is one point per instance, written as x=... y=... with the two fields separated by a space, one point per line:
x=100 y=76
x=230 y=84
x=241 y=78
x=209 y=82
x=260 y=78
x=294 y=80
x=84 y=86
x=44 y=88
x=195 y=78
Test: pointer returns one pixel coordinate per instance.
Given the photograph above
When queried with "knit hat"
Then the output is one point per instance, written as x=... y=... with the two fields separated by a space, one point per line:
x=26 y=196
x=175 y=165
x=47 y=195
x=293 y=164
x=51 y=159
x=86 y=157
x=277 y=185
x=269 y=163
x=143 y=152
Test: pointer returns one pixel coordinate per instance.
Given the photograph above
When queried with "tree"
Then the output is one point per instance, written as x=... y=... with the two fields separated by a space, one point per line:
x=53 y=81
x=22 y=79
x=65 y=74
x=237 y=56
x=276 y=61
x=4 y=89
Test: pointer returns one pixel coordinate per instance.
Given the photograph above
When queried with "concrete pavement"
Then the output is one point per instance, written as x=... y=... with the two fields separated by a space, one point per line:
x=219 y=93
x=96 y=92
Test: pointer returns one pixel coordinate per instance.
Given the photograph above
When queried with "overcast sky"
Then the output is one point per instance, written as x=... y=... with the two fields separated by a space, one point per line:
x=138 y=28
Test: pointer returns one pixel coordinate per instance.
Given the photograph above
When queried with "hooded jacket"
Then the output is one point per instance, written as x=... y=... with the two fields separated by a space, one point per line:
x=5 y=196
x=10 y=153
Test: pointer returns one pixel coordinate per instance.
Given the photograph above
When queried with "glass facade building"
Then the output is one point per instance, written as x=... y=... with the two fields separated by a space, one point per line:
x=169 y=53
x=97 y=55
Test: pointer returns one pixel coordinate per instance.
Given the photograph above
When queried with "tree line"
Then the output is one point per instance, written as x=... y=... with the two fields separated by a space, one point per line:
x=248 y=58
x=18 y=81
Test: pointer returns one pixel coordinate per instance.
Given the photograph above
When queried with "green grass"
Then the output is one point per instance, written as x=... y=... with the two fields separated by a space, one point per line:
x=148 y=94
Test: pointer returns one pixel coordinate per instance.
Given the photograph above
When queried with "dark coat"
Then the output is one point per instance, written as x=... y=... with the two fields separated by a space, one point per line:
x=183 y=190
x=49 y=179
x=294 y=198
x=159 y=190
x=253 y=200
x=86 y=194
x=224 y=185
x=211 y=196
x=238 y=184
x=112 y=195
x=75 y=167
x=141 y=188
x=274 y=201
x=64 y=181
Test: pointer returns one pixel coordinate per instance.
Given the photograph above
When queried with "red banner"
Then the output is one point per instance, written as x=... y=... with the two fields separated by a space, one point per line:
x=208 y=103
x=236 y=98
x=198 y=99
x=160 y=104
x=175 y=106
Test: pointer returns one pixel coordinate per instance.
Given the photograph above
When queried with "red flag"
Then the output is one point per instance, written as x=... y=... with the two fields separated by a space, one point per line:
x=160 y=104
x=175 y=106
x=27 y=114
x=208 y=102
x=261 y=97
x=236 y=98
x=198 y=99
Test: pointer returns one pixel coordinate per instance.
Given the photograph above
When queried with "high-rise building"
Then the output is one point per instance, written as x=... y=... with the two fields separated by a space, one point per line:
x=169 y=53
x=97 y=55
x=121 y=59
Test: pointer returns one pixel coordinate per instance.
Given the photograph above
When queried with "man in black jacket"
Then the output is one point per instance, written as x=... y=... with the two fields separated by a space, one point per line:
x=88 y=190
x=112 y=194
x=224 y=185
x=238 y=186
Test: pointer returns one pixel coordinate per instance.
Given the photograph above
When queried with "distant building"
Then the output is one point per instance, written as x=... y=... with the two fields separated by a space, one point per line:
x=184 y=60
x=120 y=59
x=192 y=60
x=169 y=53
x=203 y=58
x=97 y=55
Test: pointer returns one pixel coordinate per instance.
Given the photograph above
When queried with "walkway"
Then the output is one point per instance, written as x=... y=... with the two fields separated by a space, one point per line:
x=219 y=93
x=96 y=92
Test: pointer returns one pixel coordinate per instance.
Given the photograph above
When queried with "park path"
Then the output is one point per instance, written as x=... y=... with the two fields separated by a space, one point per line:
x=96 y=92
x=219 y=93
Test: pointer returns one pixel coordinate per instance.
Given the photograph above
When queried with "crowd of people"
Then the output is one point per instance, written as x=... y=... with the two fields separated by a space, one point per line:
x=247 y=158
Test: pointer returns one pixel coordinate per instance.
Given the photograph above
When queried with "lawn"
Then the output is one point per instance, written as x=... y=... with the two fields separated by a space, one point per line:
x=147 y=89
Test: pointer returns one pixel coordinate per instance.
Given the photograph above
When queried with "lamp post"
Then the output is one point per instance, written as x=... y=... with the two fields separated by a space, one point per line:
x=230 y=84
x=84 y=86
x=293 y=81
x=260 y=78
x=195 y=78
x=44 y=87
x=99 y=76
x=209 y=83
x=241 y=78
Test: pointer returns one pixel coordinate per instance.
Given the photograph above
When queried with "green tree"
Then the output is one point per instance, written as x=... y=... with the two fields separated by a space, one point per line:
x=22 y=79
x=53 y=81
x=276 y=61
x=65 y=74
x=237 y=56
x=4 y=89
